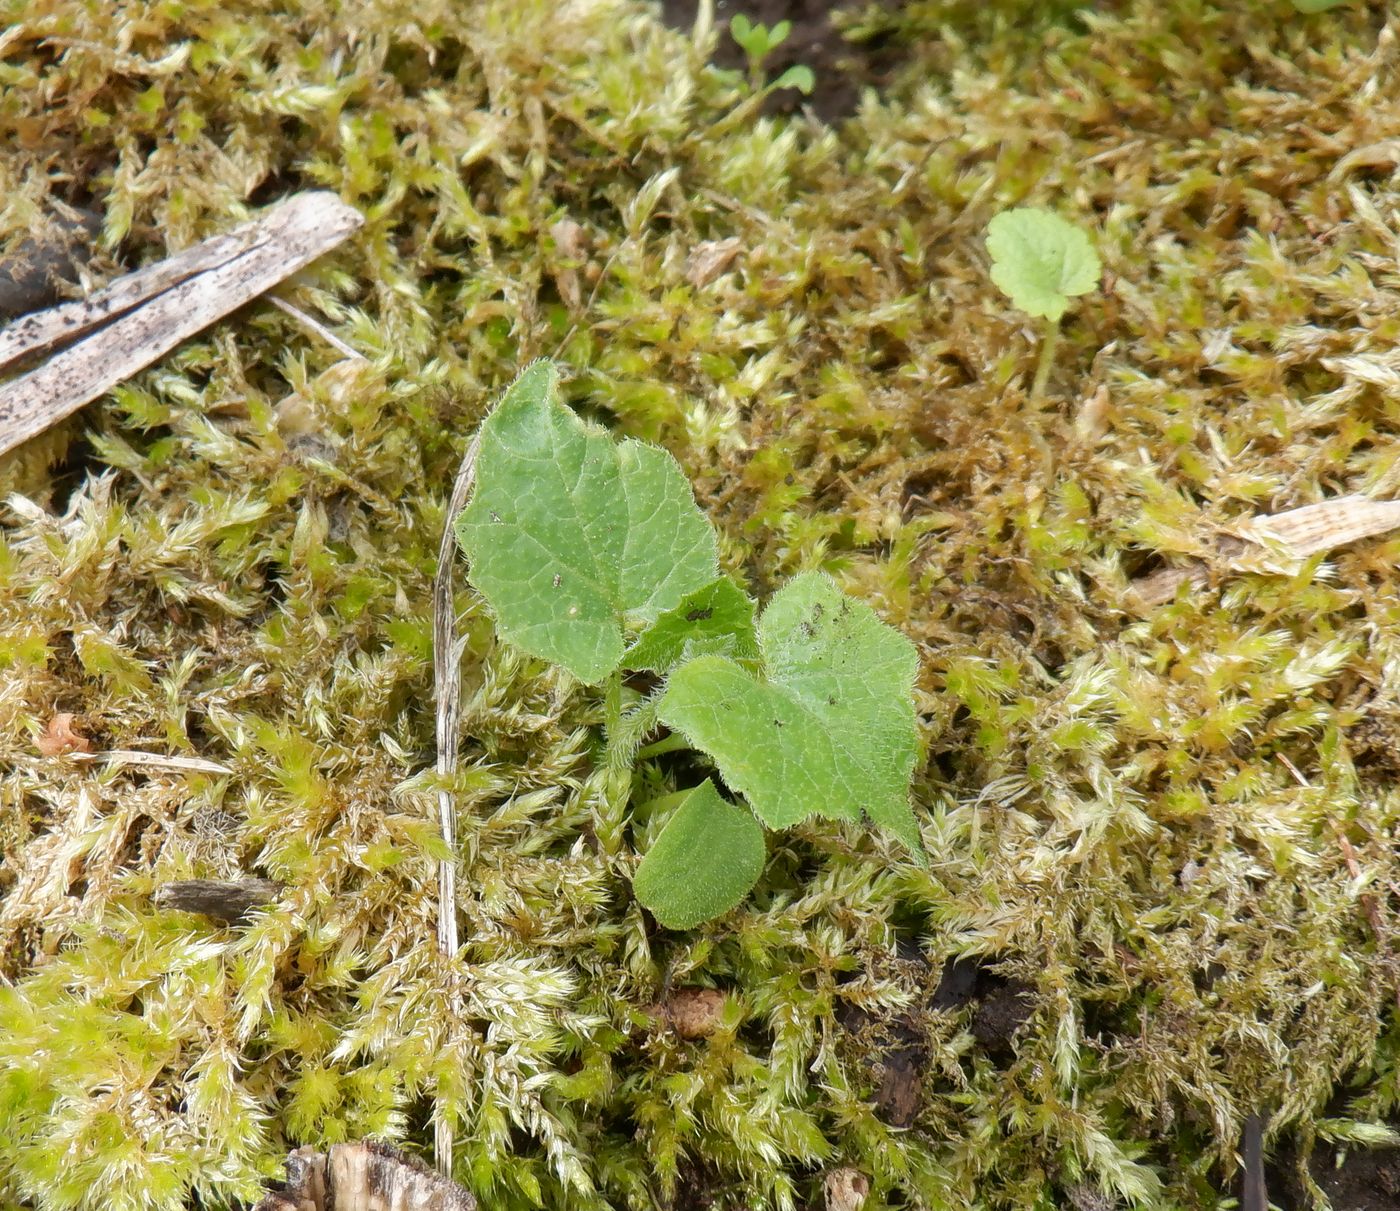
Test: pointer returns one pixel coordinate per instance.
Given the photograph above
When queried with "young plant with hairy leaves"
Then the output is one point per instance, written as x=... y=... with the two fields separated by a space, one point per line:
x=592 y=554
x=1040 y=262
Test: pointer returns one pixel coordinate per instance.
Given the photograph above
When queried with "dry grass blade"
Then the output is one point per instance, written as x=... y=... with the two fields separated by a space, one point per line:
x=129 y=756
x=447 y=684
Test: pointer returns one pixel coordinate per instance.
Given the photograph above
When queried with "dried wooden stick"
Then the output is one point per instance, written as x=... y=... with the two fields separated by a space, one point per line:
x=1254 y=1195
x=46 y=330
x=142 y=316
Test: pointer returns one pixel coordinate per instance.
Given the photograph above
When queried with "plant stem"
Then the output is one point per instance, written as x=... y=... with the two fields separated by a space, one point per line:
x=668 y=745
x=1047 y=358
x=743 y=111
x=626 y=737
x=612 y=709
x=664 y=803
x=617 y=777
x=624 y=733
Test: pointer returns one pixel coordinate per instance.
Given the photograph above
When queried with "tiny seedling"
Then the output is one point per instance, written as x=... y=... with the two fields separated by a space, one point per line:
x=757 y=42
x=755 y=39
x=593 y=554
x=1040 y=262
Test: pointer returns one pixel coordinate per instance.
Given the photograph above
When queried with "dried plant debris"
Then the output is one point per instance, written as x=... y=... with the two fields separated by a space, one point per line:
x=1277 y=543
x=367 y=1176
x=693 y=1013
x=149 y=312
x=62 y=737
x=846 y=1189
x=1311 y=529
x=228 y=562
x=223 y=900
x=137 y=757
x=711 y=258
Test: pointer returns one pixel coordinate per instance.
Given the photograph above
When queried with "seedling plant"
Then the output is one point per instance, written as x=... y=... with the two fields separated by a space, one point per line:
x=593 y=554
x=1040 y=262
x=758 y=41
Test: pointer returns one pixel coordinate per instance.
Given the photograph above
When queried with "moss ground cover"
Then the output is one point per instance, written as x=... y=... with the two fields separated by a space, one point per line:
x=1163 y=840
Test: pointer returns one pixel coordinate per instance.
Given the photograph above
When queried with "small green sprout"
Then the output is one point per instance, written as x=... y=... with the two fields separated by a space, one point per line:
x=592 y=554
x=755 y=39
x=1040 y=261
x=757 y=42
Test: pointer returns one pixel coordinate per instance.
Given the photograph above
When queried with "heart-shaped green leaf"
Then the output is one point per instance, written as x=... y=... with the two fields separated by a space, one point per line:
x=572 y=536
x=1039 y=260
x=705 y=860
x=828 y=727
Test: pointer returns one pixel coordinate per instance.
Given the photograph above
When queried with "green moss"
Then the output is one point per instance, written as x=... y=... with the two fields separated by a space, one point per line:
x=240 y=570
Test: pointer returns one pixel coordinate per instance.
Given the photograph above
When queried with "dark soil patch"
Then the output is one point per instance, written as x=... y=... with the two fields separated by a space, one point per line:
x=999 y=1008
x=842 y=68
x=1367 y=1179
x=32 y=276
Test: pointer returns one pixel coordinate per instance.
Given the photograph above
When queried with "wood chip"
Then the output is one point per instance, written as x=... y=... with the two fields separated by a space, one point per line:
x=710 y=259
x=1091 y=422
x=305 y=1187
x=223 y=901
x=1312 y=529
x=141 y=317
x=366 y=1176
x=61 y=738
x=572 y=242
x=1084 y=1196
x=1271 y=543
x=846 y=1189
x=1159 y=587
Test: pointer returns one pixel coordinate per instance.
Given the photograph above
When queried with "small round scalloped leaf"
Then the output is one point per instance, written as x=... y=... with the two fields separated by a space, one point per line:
x=827 y=727
x=1039 y=261
x=570 y=535
x=705 y=860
